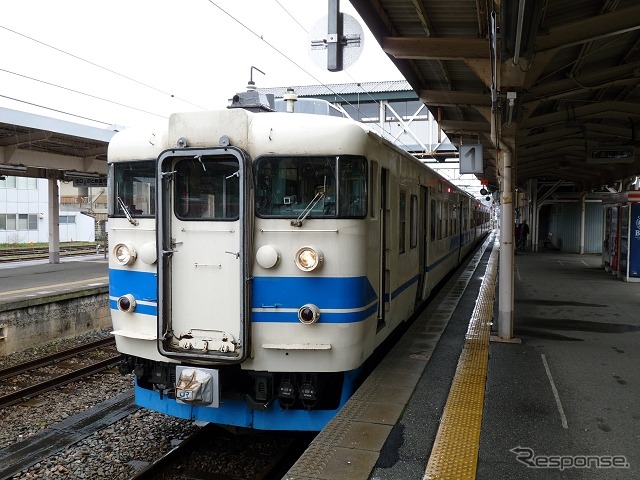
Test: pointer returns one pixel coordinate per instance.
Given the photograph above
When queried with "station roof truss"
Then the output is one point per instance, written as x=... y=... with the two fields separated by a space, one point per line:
x=559 y=79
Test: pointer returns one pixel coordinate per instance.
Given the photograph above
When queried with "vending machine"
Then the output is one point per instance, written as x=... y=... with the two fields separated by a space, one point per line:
x=624 y=255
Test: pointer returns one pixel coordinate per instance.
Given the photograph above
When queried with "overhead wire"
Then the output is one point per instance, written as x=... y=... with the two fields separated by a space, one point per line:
x=80 y=93
x=101 y=67
x=359 y=84
x=83 y=93
x=261 y=37
x=53 y=109
x=338 y=95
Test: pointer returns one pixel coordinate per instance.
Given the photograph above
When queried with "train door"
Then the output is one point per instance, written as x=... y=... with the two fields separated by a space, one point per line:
x=422 y=242
x=202 y=238
x=385 y=273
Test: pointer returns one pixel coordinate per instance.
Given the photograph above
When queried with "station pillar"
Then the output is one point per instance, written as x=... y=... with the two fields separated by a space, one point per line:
x=54 y=221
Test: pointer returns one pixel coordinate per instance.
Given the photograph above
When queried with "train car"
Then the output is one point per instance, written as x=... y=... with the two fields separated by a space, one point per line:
x=259 y=258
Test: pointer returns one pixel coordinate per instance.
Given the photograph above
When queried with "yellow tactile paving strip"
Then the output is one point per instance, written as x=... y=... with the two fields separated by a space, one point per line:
x=455 y=450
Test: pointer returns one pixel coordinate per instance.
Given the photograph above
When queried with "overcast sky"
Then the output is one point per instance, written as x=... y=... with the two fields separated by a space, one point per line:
x=129 y=62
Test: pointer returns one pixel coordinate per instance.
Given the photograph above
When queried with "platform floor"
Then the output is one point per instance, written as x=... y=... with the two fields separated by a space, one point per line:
x=28 y=283
x=562 y=403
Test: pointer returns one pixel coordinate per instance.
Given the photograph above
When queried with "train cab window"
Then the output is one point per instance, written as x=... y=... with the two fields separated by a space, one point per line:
x=132 y=186
x=311 y=187
x=207 y=188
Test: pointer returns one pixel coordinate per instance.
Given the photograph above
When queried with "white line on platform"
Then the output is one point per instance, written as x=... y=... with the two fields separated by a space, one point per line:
x=555 y=393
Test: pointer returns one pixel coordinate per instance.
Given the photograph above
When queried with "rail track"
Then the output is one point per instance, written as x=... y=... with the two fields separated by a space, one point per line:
x=37 y=448
x=213 y=452
x=21 y=382
x=32 y=253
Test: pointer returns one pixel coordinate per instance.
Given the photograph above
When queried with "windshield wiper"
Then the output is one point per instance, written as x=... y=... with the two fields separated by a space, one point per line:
x=127 y=213
x=307 y=210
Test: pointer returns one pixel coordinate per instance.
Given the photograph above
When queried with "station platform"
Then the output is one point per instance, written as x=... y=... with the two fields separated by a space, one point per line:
x=447 y=402
x=36 y=282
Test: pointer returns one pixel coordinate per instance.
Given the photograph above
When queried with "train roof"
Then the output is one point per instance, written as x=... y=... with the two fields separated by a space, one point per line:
x=257 y=133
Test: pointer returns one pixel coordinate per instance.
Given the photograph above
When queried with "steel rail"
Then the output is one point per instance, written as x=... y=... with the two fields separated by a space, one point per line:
x=59 y=381
x=26 y=253
x=54 y=358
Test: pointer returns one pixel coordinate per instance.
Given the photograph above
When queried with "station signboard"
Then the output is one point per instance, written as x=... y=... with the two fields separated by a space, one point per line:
x=90 y=182
x=619 y=154
x=471 y=160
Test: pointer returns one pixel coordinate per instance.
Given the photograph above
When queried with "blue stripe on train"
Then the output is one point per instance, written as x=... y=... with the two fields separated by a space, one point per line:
x=325 y=292
x=325 y=317
x=142 y=285
x=140 y=308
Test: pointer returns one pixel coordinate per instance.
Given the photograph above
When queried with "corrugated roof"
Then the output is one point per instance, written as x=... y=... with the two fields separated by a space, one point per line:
x=342 y=88
x=561 y=77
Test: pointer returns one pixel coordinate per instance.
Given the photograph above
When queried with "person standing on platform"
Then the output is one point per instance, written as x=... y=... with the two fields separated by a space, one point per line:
x=517 y=235
x=524 y=232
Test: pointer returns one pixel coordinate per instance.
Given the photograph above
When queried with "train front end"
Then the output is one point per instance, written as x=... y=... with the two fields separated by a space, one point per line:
x=222 y=297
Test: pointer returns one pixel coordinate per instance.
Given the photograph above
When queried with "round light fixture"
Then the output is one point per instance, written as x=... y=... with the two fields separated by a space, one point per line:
x=267 y=256
x=308 y=258
x=124 y=253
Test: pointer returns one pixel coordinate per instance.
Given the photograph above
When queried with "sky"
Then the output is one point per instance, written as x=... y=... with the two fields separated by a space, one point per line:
x=133 y=62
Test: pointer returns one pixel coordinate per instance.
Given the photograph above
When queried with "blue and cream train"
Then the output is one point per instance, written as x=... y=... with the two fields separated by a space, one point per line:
x=257 y=259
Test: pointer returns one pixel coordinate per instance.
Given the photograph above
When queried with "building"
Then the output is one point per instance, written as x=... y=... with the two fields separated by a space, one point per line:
x=23 y=213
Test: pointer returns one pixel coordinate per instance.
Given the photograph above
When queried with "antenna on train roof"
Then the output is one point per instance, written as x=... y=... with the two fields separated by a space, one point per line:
x=253 y=100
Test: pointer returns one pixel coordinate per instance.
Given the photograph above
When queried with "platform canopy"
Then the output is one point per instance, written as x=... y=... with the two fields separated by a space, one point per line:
x=44 y=147
x=557 y=79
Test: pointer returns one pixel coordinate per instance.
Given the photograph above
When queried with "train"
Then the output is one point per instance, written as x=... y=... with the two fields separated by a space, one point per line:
x=259 y=258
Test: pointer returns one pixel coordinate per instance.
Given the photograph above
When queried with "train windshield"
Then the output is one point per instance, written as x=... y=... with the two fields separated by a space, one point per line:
x=132 y=189
x=323 y=186
x=207 y=188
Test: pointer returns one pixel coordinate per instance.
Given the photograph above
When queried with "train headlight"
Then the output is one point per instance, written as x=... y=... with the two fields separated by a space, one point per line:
x=267 y=256
x=124 y=253
x=127 y=303
x=308 y=258
x=308 y=314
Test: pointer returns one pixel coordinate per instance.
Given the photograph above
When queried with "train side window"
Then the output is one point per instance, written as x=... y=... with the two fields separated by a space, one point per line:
x=454 y=219
x=432 y=219
x=413 y=229
x=439 y=220
x=373 y=190
x=403 y=221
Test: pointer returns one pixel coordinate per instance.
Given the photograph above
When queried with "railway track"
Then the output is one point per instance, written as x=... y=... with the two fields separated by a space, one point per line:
x=21 y=382
x=31 y=253
x=213 y=452
x=62 y=436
